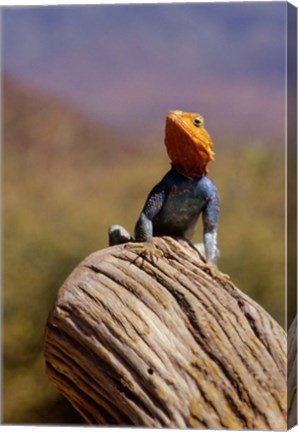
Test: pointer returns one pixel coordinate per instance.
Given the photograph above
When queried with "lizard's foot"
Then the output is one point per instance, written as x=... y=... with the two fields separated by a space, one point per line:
x=215 y=273
x=146 y=250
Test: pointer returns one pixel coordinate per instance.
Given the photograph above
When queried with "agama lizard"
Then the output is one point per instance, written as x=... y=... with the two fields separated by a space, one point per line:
x=176 y=202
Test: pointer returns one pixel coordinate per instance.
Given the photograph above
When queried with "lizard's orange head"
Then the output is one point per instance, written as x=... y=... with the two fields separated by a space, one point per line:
x=188 y=143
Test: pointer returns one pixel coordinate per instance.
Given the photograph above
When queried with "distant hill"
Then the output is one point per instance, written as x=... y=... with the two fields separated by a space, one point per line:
x=42 y=125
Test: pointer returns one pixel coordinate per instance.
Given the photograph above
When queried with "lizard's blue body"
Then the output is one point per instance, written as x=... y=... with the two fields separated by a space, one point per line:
x=173 y=208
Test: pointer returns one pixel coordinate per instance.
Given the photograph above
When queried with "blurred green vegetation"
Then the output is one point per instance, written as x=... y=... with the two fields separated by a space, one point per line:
x=65 y=182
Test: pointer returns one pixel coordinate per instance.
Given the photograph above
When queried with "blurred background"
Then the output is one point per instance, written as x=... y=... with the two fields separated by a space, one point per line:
x=85 y=94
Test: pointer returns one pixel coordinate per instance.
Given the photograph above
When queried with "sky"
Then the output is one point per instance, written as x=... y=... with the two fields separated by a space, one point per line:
x=127 y=65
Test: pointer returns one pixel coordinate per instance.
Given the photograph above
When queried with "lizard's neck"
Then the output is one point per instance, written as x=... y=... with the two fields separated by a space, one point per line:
x=179 y=169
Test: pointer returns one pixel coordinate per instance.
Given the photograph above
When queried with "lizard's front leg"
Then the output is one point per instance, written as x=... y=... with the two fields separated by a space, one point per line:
x=212 y=253
x=210 y=220
x=144 y=245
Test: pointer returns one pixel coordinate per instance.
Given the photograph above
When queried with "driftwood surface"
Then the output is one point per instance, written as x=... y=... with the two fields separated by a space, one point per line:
x=131 y=341
x=292 y=374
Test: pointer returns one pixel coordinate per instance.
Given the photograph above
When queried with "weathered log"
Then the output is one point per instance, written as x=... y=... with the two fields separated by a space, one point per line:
x=292 y=374
x=163 y=343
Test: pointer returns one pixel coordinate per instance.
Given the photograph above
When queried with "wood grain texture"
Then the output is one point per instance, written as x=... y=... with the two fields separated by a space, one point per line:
x=292 y=374
x=135 y=342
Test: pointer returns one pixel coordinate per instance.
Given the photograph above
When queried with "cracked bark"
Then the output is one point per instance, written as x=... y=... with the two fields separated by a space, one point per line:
x=163 y=344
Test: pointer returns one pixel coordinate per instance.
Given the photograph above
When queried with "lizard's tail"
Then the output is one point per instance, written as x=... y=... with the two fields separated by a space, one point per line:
x=118 y=235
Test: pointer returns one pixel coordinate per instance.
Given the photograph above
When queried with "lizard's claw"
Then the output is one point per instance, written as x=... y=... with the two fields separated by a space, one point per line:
x=215 y=273
x=146 y=250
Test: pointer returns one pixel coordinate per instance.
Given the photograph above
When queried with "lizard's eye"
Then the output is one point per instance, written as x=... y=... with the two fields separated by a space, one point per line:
x=197 y=121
